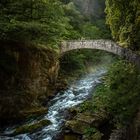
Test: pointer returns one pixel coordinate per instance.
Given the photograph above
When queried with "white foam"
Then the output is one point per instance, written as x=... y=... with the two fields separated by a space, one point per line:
x=61 y=103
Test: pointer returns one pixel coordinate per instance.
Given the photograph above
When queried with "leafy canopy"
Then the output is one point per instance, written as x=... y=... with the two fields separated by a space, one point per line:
x=33 y=21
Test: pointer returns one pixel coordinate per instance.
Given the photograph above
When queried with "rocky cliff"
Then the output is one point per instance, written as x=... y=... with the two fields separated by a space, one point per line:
x=93 y=8
x=27 y=75
x=131 y=132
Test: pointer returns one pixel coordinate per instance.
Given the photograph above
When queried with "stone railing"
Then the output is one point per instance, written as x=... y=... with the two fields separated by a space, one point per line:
x=106 y=45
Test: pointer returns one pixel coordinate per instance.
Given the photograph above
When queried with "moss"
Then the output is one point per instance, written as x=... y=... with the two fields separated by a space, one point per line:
x=123 y=19
x=71 y=137
x=29 y=128
x=76 y=126
x=34 y=112
x=95 y=136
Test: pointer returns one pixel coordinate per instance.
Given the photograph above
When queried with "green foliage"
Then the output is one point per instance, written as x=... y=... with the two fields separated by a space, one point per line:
x=30 y=128
x=123 y=83
x=119 y=95
x=123 y=18
x=90 y=131
x=87 y=105
x=88 y=28
x=101 y=99
x=79 y=62
x=91 y=31
x=97 y=30
x=72 y=63
x=40 y=21
x=46 y=22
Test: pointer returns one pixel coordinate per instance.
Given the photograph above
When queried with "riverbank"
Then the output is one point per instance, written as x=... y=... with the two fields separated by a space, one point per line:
x=108 y=112
x=58 y=107
x=111 y=113
x=29 y=78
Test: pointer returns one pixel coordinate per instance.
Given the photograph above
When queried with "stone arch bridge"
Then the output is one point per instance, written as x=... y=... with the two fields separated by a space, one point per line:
x=106 y=45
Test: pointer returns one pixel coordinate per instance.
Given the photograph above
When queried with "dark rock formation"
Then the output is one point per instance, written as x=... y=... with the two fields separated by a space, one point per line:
x=131 y=132
x=28 y=75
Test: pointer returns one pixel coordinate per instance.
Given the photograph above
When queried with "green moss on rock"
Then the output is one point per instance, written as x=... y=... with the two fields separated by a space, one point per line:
x=71 y=137
x=76 y=126
x=29 y=128
x=33 y=112
x=95 y=136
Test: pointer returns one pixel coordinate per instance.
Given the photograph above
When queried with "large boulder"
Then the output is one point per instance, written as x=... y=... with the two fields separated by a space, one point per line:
x=82 y=121
x=76 y=126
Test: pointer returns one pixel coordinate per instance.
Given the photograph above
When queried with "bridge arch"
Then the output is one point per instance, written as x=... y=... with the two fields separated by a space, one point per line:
x=101 y=44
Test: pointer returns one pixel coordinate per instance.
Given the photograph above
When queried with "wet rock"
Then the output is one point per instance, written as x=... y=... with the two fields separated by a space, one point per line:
x=92 y=119
x=76 y=126
x=89 y=119
x=62 y=84
x=71 y=136
x=33 y=112
x=118 y=134
x=73 y=111
x=82 y=121
x=95 y=136
x=29 y=128
x=129 y=132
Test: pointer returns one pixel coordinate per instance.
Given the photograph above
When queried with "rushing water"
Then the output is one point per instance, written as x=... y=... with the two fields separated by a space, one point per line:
x=58 y=106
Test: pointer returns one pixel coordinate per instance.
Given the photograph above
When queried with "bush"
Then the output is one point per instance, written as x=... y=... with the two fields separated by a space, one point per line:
x=119 y=94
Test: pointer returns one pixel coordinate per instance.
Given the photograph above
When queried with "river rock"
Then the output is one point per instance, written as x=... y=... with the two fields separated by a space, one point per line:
x=76 y=126
x=86 y=118
x=73 y=111
x=71 y=136
x=82 y=121
x=95 y=136
x=29 y=128
x=95 y=120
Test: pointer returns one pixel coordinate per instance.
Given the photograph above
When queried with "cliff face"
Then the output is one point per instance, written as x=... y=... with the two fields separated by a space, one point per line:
x=26 y=75
x=93 y=8
x=131 y=132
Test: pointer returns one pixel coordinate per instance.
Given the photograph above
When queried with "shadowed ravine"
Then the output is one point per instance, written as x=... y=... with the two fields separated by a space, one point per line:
x=58 y=107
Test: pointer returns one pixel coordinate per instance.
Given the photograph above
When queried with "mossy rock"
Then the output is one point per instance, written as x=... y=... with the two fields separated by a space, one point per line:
x=30 y=128
x=74 y=110
x=76 y=126
x=93 y=119
x=95 y=136
x=33 y=112
x=71 y=137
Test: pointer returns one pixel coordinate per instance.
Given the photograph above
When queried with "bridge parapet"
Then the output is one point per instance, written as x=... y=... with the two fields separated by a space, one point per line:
x=101 y=44
x=106 y=45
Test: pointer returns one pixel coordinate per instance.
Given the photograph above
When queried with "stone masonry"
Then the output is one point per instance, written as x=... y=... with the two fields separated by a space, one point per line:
x=102 y=44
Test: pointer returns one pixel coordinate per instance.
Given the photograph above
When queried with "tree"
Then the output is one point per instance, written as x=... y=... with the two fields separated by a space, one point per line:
x=41 y=21
x=124 y=21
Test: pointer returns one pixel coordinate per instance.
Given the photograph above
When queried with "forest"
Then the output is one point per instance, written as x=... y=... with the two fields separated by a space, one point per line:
x=34 y=76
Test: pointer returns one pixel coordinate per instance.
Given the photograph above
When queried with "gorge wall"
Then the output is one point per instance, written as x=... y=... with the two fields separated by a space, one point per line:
x=27 y=75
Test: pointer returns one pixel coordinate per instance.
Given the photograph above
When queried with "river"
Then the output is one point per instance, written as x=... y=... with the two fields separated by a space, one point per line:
x=58 y=106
